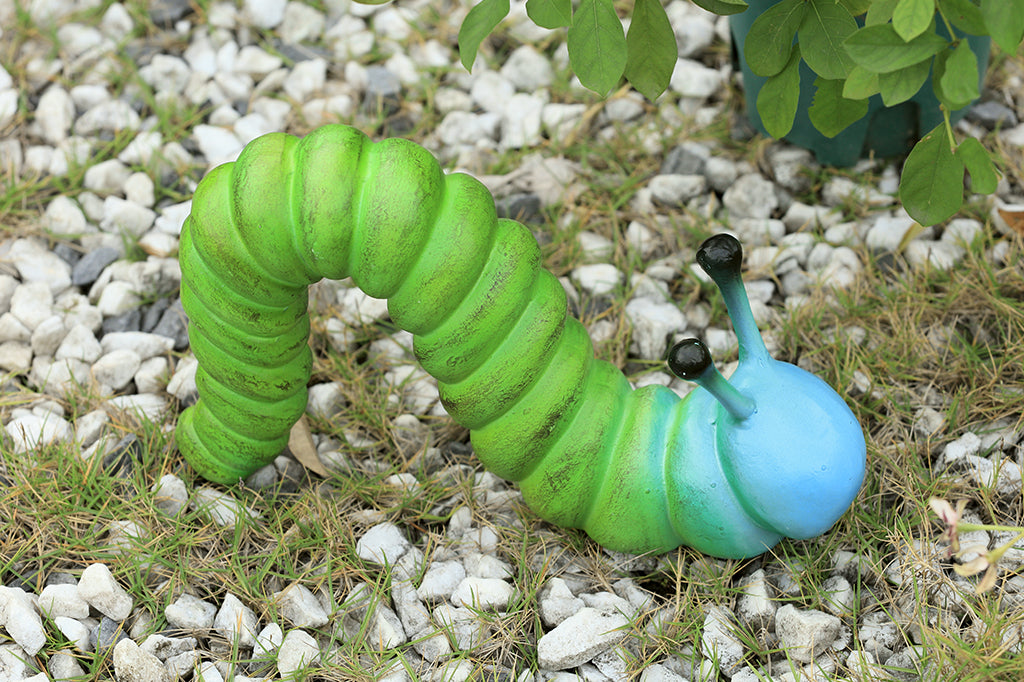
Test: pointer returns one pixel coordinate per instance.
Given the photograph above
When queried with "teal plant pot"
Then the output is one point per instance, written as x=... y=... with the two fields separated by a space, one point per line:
x=883 y=132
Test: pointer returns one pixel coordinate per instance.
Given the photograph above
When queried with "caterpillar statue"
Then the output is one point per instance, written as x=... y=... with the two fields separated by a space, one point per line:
x=729 y=470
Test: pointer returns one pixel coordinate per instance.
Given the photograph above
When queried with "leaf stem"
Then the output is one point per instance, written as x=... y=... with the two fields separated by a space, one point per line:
x=965 y=527
x=949 y=128
x=949 y=27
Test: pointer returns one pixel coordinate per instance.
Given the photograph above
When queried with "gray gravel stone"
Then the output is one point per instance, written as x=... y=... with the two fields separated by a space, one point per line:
x=20 y=618
x=805 y=633
x=383 y=90
x=675 y=190
x=483 y=593
x=382 y=544
x=88 y=269
x=63 y=600
x=106 y=635
x=236 y=622
x=189 y=612
x=298 y=651
x=992 y=115
x=579 y=638
x=718 y=642
x=751 y=196
x=131 y=664
x=300 y=607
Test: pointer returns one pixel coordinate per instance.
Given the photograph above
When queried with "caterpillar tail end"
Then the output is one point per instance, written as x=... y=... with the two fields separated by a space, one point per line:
x=218 y=456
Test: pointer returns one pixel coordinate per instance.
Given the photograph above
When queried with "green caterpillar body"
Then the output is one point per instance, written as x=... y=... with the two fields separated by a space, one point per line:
x=638 y=470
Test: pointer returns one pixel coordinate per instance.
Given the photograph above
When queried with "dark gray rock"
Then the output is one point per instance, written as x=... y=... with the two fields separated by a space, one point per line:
x=302 y=53
x=121 y=459
x=154 y=312
x=130 y=321
x=166 y=12
x=524 y=207
x=174 y=325
x=687 y=158
x=992 y=115
x=109 y=633
x=383 y=91
x=87 y=270
x=67 y=253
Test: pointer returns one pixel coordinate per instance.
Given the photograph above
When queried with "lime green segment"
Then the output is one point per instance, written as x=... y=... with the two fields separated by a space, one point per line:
x=629 y=512
x=259 y=195
x=515 y=364
x=323 y=197
x=399 y=199
x=513 y=444
x=562 y=487
x=218 y=453
x=247 y=378
x=260 y=418
x=451 y=261
x=223 y=250
x=469 y=335
x=267 y=351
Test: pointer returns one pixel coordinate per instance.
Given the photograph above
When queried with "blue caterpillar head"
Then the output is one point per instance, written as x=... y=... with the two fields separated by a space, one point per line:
x=790 y=448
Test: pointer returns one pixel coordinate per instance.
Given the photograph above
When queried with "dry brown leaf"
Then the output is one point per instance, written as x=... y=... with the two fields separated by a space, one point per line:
x=1013 y=216
x=300 y=442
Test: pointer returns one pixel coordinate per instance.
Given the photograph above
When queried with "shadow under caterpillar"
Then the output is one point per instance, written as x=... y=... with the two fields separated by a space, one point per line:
x=729 y=470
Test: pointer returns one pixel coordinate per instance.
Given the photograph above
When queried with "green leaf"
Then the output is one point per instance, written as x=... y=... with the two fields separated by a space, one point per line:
x=830 y=112
x=881 y=12
x=912 y=17
x=777 y=101
x=597 y=45
x=477 y=25
x=768 y=43
x=824 y=28
x=1004 y=20
x=879 y=48
x=932 y=184
x=860 y=84
x=899 y=86
x=856 y=7
x=965 y=15
x=550 y=13
x=723 y=7
x=650 y=48
x=984 y=177
x=959 y=79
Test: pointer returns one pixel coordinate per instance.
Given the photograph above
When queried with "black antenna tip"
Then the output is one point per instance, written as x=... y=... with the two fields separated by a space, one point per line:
x=720 y=255
x=689 y=358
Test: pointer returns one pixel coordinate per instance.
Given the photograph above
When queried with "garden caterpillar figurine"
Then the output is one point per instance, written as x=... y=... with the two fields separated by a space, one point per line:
x=729 y=470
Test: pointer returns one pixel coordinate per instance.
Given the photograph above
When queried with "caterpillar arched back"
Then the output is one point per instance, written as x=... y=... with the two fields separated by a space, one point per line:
x=729 y=470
